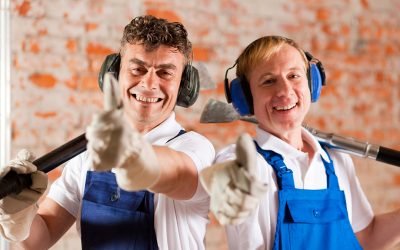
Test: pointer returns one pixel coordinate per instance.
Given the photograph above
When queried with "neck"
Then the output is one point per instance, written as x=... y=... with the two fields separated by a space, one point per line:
x=141 y=127
x=292 y=137
x=295 y=139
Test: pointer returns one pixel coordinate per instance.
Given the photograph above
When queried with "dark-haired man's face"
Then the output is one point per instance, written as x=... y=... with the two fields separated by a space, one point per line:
x=149 y=83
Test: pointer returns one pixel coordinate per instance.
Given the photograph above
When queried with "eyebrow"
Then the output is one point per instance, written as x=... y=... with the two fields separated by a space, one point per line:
x=271 y=74
x=160 y=66
x=292 y=68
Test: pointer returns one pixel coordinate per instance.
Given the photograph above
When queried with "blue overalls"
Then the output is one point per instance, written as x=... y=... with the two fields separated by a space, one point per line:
x=310 y=219
x=116 y=219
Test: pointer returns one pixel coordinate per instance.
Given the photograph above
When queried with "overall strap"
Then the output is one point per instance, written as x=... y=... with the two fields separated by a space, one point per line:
x=283 y=174
x=329 y=169
x=181 y=132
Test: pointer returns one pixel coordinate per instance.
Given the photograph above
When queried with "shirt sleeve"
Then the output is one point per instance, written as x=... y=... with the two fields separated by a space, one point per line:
x=226 y=154
x=66 y=190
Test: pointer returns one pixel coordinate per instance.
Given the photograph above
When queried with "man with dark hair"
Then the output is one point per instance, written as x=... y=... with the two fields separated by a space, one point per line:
x=136 y=186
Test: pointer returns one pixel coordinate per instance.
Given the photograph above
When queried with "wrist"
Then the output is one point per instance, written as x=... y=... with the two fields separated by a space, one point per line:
x=141 y=171
x=16 y=227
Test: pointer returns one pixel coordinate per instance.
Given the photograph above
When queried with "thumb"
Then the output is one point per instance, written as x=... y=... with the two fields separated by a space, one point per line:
x=246 y=153
x=25 y=155
x=112 y=99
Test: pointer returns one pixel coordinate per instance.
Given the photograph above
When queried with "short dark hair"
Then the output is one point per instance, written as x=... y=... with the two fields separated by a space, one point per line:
x=153 y=32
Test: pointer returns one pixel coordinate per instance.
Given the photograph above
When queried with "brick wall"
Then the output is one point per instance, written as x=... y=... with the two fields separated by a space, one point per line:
x=58 y=47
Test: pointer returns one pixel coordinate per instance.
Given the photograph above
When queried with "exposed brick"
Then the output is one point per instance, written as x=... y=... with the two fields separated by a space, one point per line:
x=54 y=174
x=43 y=80
x=396 y=179
x=23 y=8
x=42 y=32
x=167 y=14
x=201 y=53
x=89 y=83
x=71 y=45
x=73 y=82
x=98 y=49
x=34 y=47
x=55 y=41
x=322 y=14
x=45 y=115
x=91 y=26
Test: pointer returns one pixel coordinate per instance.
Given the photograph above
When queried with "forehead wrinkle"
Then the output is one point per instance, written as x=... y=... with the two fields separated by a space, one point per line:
x=147 y=65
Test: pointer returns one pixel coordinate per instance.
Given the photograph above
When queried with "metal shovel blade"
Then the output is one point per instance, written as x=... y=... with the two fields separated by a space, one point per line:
x=220 y=112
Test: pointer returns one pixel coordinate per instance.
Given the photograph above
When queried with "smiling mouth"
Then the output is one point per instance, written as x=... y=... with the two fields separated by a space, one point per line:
x=285 y=108
x=146 y=99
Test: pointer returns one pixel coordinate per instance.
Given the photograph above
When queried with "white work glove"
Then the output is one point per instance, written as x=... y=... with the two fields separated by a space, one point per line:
x=18 y=210
x=114 y=144
x=233 y=185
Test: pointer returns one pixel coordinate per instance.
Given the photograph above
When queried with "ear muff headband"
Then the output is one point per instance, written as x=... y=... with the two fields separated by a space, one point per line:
x=189 y=87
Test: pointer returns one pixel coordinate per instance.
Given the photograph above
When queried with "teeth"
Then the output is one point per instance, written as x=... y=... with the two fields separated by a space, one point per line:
x=146 y=99
x=286 y=107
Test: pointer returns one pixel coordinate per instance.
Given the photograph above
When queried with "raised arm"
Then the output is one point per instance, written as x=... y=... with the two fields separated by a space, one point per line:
x=114 y=144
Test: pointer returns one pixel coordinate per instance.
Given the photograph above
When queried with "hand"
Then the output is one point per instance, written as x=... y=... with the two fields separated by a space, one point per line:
x=233 y=185
x=18 y=210
x=107 y=130
x=113 y=143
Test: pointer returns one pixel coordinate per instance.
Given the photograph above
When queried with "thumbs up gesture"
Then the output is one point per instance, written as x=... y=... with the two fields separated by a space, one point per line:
x=107 y=130
x=114 y=143
x=233 y=185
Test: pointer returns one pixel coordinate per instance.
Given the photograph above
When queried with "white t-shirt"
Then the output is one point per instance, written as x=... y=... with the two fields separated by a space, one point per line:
x=258 y=231
x=179 y=224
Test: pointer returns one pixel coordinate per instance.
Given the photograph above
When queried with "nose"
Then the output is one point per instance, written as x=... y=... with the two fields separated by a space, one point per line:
x=285 y=87
x=149 y=80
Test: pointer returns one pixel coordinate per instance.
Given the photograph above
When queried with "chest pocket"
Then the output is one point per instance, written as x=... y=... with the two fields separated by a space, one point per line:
x=113 y=196
x=314 y=211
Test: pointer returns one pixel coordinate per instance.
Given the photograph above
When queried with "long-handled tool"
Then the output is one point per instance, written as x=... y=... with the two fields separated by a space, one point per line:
x=13 y=183
x=220 y=112
x=214 y=112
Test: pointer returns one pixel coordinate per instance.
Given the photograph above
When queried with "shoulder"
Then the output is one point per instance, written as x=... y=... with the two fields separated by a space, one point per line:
x=79 y=163
x=191 y=139
x=343 y=166
x=197 y=146
x=340 y=159
x=226 y=153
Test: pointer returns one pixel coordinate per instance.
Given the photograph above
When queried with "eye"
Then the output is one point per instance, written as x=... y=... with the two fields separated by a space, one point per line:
x=138 y=71
x=165 y=74
x=268 y=81
x=294 y=76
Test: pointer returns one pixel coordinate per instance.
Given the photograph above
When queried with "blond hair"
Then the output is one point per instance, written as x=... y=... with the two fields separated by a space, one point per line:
x=262 y=49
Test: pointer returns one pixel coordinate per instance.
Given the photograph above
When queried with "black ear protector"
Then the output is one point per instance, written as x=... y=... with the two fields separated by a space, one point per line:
x=189 y=87
x=238 y=91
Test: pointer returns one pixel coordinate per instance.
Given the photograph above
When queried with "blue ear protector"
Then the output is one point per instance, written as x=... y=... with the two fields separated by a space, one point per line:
x=316 y=76
x=238 y=91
